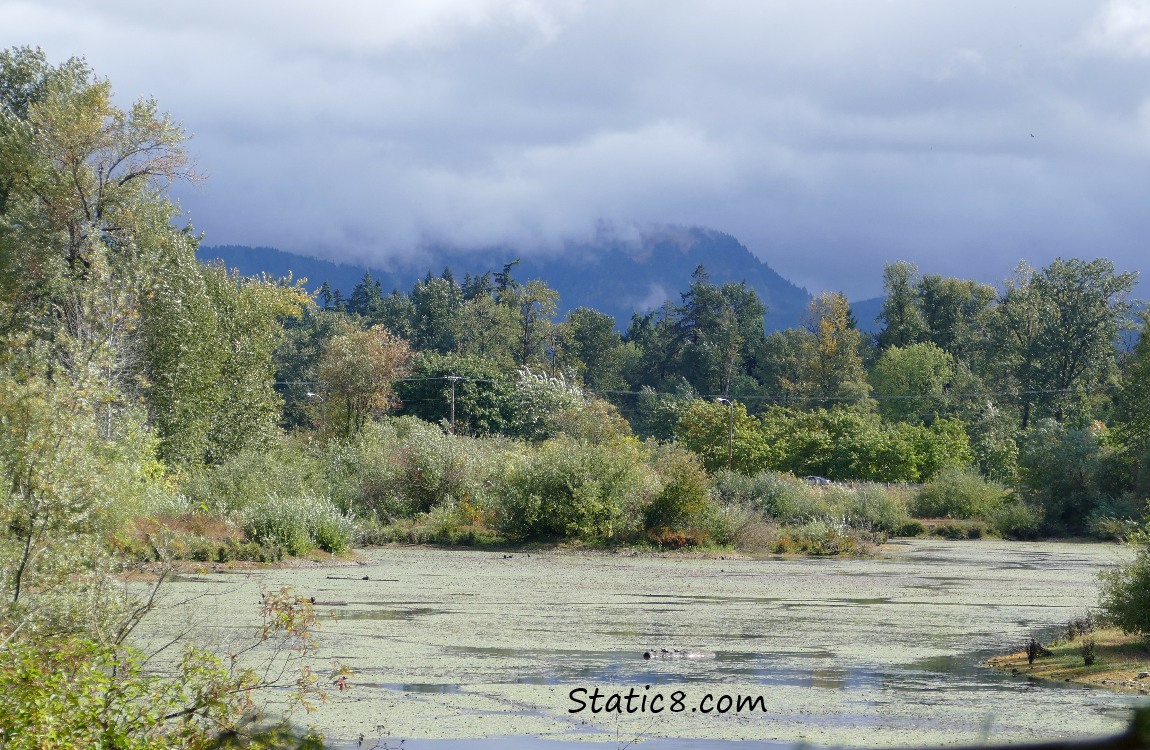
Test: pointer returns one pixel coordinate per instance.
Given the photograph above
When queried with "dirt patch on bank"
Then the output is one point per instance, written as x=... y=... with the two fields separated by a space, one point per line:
x=1121 y=662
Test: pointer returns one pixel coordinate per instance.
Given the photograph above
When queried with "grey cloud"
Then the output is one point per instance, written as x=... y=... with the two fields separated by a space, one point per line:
x=830 y=136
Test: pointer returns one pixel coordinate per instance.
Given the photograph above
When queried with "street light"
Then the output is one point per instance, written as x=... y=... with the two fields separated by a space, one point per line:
x=730 y=432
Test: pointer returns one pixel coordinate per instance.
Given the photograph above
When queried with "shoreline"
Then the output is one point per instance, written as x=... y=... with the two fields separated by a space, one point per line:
x=1122 y=662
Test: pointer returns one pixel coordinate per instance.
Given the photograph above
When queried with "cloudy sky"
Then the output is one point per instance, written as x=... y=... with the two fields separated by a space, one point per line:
x=829 y=136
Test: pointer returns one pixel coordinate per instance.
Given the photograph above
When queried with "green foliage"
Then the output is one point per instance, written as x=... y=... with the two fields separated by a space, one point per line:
x=1124 y=599
x=65 y=486
x=209 y=339
x=565 y=489
x=298 y=524
x=1017 y=519
x=536 y=398
x=784 y=499
x=656 y=414
x=706 y=428
x=484 y=394
x=297 y=360
x=357 y=373
x=1054 y=335
x=594 y=421
x=1132 y=410
x=992 y=443
x=901 y=315
x=821 y=537
x=587 y=345
x=909 y=381
x=846 y=444
x=708 y=341
x=81 y=692
x=1068 y=472
x=286 y=469
x=434 y=469
x=869 y=506
x=960 y=493
x=683 y=501
x=403 y=467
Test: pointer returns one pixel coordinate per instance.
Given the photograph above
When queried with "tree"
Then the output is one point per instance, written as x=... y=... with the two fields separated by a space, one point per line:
x=436 y=303
x=357 y=374
x=209 y=337
x=488 y=330
x=484 y=394
x=537 y=399
x=657 y=337
x=1055 y=333
x=1132 y=409
x=366 y=297
x=85 y=226
x=833 y=367
x=705 y=428
x=720 y=328
x=909 y=382
x=587 y=345
x=901 y=315
x=534 y=304
x=1068 y=471
x=957 y=314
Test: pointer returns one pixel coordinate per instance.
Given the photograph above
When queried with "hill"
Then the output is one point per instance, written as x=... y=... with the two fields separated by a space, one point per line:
x=615 y=278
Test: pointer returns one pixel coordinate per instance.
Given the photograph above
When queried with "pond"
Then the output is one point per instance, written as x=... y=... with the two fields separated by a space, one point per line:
x=485 y=648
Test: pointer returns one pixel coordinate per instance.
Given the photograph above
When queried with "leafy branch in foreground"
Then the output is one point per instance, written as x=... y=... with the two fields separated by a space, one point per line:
x=77 y=692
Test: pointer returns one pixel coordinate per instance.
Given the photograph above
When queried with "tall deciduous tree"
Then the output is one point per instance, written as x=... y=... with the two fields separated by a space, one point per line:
x=357 y=377
x=1055 y=334
x=957 y=313
x=901 y=314
x=909 y=382
x=834 y=366
x=436 y=302
x=587 y=344
x=85 y=226
x=209 y=341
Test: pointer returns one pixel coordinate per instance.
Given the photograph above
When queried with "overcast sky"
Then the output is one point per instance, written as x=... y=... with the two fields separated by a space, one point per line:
x=830 y=137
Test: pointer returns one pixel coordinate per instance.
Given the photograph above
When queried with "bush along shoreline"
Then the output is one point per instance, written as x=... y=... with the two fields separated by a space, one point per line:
x=402 y=480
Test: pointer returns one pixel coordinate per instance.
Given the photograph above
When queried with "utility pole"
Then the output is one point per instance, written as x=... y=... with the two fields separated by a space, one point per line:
x=730 y=432
x=453 y=378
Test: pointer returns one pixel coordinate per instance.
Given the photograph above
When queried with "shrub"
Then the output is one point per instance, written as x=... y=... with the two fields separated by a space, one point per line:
x=571 y=490
x=249 y=477
x=822 y=537
x=789 y=500
x=683 y=501
x=298 y=524
x=404 y=467
x=786 y=500
x=1070 y=473
x=1117 y=518
x=1016 y=519
x=959 y=493
x=961 y=529
x=1125 y=597
x=870 y=506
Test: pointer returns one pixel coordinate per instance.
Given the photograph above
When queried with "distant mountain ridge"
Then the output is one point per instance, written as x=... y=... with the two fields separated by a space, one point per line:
x=613 y=277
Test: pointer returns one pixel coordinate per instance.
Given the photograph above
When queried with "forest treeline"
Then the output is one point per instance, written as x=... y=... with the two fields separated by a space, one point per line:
x=152 y=407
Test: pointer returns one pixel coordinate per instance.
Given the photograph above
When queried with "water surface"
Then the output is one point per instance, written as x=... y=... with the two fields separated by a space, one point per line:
x=471 y=645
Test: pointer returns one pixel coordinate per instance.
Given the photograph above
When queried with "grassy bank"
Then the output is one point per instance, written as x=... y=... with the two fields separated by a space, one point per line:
x=1119 y=659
